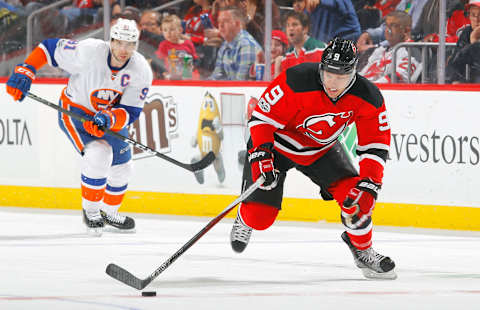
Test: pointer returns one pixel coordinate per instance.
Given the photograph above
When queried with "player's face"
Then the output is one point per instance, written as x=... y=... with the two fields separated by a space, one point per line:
x=121 y=51
x=334 y=84
x=295 y=31
x=171 y=32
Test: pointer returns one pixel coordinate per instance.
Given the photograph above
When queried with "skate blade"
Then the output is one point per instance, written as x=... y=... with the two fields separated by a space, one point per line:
x=111 y=229
x=373 y=275
x=94 y=232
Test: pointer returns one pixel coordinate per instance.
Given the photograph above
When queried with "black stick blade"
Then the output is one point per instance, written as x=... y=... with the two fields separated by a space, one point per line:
x=126 y=277
x=204 y=162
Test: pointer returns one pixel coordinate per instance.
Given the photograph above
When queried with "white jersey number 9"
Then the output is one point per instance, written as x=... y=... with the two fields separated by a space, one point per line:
x=383 y=121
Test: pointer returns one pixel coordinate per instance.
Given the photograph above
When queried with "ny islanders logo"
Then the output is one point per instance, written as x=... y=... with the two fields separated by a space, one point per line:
x=103 y=98
x=325 y=128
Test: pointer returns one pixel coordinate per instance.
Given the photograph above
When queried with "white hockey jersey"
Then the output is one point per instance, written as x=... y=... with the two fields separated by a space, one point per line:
x=92 y=84
x=380 y=66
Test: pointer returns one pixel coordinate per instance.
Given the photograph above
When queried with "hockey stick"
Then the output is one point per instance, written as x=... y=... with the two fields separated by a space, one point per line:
x=129 y=279
x=199 y=165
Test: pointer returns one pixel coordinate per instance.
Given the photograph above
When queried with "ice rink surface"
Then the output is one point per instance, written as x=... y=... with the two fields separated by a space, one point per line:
x=48 y=262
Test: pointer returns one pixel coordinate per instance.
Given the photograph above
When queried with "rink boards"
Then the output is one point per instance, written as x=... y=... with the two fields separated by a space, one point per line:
x=430 y=178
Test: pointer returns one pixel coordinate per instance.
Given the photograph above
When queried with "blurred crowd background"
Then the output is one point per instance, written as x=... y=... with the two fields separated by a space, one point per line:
x=399 y=41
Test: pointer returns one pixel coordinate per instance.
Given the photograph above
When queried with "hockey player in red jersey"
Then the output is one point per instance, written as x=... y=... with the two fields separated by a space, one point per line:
x=296 y=124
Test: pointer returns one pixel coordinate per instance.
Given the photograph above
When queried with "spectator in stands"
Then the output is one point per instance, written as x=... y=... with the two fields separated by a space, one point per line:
x=299 y=6
x=457 y=19
x=380 y=66
x=213 y=34
x=278 y=47
x=81 y=12
x=197 y=21
x=150 y=38
x=373 y=36
x=238 y=51
x=151 y=21
x=369 y=16
x=255 y=15
x=139 y=4
x=177 y=53
x=427 y=27
x=386 y=6
x=303 y=48
x=254 y=12
x=333 y=18
x=467 y=51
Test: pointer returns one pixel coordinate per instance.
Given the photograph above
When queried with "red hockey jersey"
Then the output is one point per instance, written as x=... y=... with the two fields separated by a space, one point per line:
x=295 y=114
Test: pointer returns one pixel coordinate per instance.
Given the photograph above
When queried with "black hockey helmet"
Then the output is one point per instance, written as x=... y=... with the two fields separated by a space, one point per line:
x=340 y=56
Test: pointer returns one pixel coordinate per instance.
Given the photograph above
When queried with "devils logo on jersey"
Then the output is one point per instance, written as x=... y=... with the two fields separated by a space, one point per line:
x=104 y=98
x=325 y=128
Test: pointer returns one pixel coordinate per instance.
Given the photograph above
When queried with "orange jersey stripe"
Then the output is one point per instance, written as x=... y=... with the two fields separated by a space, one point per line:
x=73 y=104
x=37 y=58
x=67 y=121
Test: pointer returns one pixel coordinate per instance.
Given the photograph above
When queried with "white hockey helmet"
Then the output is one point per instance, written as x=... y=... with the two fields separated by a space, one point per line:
x=125 y=30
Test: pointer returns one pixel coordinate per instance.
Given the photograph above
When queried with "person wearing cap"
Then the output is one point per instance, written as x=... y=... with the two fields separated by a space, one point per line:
x=109 y=82
x=467 y=51
x=303 y=47
x=277 y=50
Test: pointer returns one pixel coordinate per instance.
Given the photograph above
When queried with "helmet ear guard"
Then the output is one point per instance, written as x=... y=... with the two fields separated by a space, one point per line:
x=340 y=57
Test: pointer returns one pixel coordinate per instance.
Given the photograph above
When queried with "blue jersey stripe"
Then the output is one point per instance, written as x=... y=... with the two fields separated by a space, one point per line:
x=51 y=45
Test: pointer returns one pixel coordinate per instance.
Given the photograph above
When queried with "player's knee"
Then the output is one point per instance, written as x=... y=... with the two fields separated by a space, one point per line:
x=97 y=158
x=119 y=175
x=340 y=189
x=257 y=215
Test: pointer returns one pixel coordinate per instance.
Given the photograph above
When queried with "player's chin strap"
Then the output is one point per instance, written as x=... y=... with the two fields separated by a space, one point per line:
x=199 y=165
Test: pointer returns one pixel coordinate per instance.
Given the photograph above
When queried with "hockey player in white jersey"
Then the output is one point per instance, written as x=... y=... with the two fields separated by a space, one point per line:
x=108 y=84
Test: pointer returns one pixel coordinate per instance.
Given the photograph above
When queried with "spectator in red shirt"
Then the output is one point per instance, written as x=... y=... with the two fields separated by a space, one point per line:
x=176 y=51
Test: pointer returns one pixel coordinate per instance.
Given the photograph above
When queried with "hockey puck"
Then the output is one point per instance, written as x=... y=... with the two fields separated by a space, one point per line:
x=149 y=294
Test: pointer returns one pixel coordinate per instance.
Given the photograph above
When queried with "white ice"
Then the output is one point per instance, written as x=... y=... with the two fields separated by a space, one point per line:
x=48 y=262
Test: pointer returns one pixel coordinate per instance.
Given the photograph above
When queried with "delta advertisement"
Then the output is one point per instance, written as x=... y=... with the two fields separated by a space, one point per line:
x=434 y=152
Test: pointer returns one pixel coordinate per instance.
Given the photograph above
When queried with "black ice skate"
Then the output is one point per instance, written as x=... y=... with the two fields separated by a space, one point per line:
x=240 y=235
x=94 y=223
x=372 y=264
x=122 y=222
